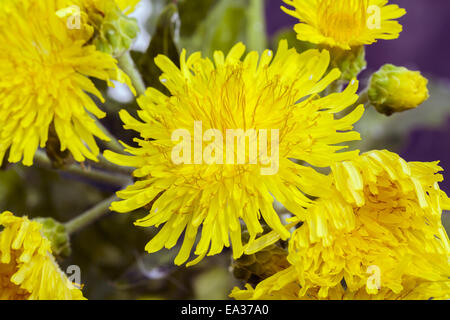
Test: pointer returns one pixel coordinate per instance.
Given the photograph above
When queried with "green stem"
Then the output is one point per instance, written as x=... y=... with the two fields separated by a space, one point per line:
x=336 y=86
x=106 y=165
x=96 y=175
x=126 y=63
x=89 y=216
x=363 y=98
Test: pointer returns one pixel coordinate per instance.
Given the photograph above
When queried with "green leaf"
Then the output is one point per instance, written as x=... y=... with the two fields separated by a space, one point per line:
x=192 y=13
x=227 y=23
x=291 y=36
x=163 y=42
x=256 y=26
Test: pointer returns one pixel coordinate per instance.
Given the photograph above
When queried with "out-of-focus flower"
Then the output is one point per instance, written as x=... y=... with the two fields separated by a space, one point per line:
x=28 y=269
x=377 y=235
x=276 y=97
x=345 y=23
x=395 y=89
x=44 y=83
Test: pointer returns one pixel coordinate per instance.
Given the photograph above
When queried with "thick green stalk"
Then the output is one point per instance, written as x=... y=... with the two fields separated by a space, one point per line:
x=90 y=215
x=92 y=174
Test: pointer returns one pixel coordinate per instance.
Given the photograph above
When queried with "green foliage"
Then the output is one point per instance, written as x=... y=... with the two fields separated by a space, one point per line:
x=227 y=22
x=163 y=42
x=291 y=36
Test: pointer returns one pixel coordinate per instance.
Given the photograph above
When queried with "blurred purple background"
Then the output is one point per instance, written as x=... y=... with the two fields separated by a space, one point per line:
x=423 y=45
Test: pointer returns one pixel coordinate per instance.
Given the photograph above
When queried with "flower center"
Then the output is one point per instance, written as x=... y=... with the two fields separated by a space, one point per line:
x=9 y=290
x=342 y=20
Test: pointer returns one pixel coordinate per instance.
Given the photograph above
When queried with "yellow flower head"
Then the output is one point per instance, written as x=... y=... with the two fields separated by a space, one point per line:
x=345 y=23
x=396 y=89
x=28 y=269
x=270 y=99
x=284 y=286
x=44 y=82
x=379 y=231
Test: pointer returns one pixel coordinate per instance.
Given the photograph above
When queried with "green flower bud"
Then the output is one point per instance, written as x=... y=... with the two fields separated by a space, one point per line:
x=350 y=62
x=56 y=233
x=396 y=89
x=114 y=31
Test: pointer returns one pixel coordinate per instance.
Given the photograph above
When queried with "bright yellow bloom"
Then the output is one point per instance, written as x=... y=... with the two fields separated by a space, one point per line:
x=345 y=23
x=276 y=93
x=396 y=89
x=28 y=269
x=44 y=82
x=379 y=230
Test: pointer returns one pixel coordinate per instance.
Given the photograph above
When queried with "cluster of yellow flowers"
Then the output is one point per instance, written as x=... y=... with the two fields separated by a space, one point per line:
x=377 y=234
x=371 y=229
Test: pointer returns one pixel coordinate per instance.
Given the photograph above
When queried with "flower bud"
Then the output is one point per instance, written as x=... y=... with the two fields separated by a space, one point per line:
x=395 y=89
x=115 y=31
x=56 y=233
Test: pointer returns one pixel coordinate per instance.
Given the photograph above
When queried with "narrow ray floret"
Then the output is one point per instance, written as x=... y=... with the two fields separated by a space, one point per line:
x=44 y=82
x=272 y=100
x=345 y=23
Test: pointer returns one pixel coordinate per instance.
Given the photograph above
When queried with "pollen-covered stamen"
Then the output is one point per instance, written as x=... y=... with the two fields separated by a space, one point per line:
x=342 y=20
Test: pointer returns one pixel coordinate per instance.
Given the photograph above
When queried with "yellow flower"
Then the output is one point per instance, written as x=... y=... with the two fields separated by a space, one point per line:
x=413 y=289
x=28 y=269
x=379 y=231
x=345 y=23
x=278 y=94
x=44 y=82
x=396 y=89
